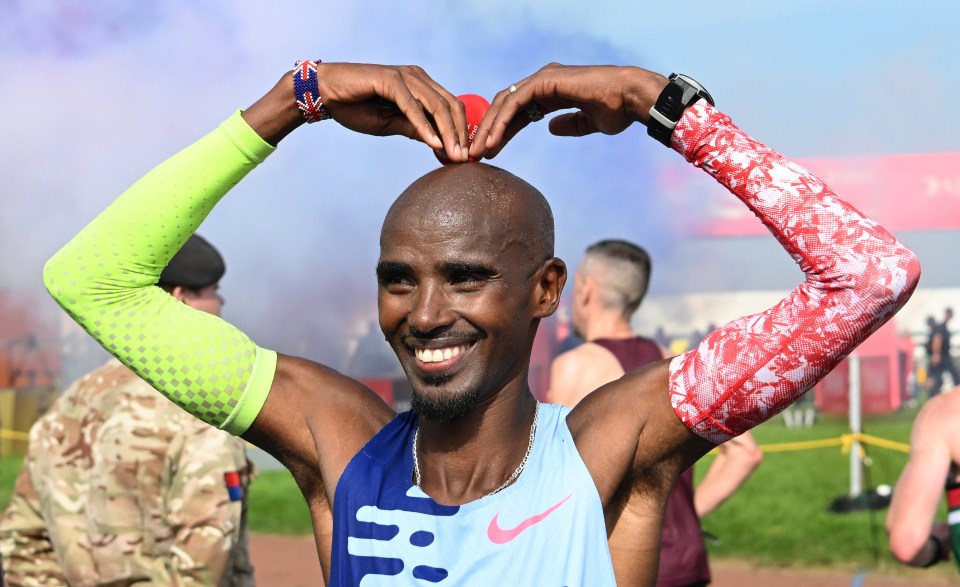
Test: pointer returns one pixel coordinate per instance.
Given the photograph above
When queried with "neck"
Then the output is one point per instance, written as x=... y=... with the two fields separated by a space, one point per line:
x=468 y=458
x=608 y=326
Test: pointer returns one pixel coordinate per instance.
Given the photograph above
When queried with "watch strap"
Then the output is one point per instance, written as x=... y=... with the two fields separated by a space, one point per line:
x=679 y=94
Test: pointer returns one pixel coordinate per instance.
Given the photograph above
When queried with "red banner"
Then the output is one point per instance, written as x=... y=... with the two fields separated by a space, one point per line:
x=902 y=192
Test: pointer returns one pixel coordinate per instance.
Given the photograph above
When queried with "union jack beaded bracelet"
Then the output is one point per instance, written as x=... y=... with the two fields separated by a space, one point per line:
x=307 y=91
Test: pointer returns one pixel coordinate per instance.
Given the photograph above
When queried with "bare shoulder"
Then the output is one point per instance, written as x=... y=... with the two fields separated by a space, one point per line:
x=316 y=419
x=627 y=431
x=936 y=425
x=580 y=371
x=939 y=414
x=580 y=356
x=566 y=362
x=309 y=383
x=630 y=400
x=591 y=351
x=587 y=358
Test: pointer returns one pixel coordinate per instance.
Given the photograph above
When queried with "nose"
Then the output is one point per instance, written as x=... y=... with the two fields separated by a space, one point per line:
x=431 y=308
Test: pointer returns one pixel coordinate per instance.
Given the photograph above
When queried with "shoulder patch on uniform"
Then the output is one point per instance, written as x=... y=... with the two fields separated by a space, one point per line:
x=234 y=487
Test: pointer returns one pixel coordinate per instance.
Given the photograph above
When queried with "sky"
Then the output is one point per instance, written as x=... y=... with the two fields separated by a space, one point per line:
x=93 y=93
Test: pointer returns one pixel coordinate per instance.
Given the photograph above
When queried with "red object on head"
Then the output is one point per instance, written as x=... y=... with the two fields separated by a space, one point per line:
x=476 y=107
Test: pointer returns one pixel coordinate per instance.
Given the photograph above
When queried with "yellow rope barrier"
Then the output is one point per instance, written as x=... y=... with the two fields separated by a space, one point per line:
x=802 y=445
x=884 y=443
x=845 y=442
x=14 y=434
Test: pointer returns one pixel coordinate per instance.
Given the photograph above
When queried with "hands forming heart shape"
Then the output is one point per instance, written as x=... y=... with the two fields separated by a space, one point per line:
x=404 y=100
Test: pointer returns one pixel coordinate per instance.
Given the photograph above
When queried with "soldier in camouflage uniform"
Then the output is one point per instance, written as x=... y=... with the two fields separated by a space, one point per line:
x=122 y=487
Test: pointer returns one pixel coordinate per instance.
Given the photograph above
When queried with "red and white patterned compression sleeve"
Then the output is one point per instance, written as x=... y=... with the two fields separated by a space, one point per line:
x=857 y=276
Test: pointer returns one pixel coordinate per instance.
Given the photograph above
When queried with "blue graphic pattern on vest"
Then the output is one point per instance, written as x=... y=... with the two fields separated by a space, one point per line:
x=545 y=529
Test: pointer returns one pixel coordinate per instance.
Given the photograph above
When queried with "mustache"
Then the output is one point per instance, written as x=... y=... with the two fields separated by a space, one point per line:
x=441 y=332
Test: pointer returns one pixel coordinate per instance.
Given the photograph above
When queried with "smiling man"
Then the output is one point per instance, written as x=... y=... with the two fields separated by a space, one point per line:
x=462 y=241
x=480 y=484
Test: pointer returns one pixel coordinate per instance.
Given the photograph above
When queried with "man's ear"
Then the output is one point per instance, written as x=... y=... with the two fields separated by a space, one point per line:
x=551 y=278
x=179 y=293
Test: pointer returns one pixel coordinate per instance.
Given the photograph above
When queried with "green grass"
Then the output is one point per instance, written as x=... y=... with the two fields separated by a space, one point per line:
x=9 y=468
x=780 y=517
x=277 y=506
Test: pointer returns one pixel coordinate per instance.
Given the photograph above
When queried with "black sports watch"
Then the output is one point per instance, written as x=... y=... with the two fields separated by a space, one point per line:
x=682 y=92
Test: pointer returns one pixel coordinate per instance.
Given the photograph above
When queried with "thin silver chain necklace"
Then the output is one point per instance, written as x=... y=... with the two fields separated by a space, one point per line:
x=513 y=477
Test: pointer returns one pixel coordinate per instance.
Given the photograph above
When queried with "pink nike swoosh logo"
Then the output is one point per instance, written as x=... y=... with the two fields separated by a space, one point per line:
x=498 y=535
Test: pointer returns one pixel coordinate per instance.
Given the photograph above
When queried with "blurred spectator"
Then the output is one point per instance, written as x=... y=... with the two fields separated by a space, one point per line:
x=607 y=289
x=122 y=487
x=916 y=539
x=940 y=360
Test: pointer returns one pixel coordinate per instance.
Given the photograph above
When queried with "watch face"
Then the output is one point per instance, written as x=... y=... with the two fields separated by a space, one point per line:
x=690 y=81
x=699 y=89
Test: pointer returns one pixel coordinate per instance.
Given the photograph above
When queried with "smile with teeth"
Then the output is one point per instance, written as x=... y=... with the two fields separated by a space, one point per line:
x=438 y=355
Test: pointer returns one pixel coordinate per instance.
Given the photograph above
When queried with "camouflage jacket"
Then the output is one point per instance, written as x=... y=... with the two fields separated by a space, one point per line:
x=121 y=487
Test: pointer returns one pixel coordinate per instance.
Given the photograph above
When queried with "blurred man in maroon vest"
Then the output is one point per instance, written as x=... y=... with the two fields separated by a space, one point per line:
x=607 y=289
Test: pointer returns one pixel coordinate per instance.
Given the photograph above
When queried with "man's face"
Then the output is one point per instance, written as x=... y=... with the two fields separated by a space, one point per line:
x=455 y=304
x=207 y=299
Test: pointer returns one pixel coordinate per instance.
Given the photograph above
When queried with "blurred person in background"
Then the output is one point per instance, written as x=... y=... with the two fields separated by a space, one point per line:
x=940 y=360
x=120 y=486
x=608 y=288
x=916 y=539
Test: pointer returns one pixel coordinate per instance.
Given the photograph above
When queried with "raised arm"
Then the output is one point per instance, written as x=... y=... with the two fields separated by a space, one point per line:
x=736 y=460
x=857 y=276
x=104 y=278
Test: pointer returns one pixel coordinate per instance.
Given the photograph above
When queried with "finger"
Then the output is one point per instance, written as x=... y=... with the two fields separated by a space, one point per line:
x=459 y=113
x=411 y=108
x=519 y=122
x=444 y=108
x=572 y=124
x=501 y=113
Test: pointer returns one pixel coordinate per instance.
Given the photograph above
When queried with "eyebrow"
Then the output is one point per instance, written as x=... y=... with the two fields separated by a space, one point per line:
x=385 y=268
x=466 y=267
x=389 y=268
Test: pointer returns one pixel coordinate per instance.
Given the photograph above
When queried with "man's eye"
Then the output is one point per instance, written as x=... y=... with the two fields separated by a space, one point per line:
x=394 y=280
x=466 y=278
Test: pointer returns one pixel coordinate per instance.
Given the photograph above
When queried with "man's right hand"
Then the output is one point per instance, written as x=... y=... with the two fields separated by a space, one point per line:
x=387 y=100
x=380 y=100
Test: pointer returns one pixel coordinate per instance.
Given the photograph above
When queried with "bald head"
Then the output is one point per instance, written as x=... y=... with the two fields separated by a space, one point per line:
x=477 y=198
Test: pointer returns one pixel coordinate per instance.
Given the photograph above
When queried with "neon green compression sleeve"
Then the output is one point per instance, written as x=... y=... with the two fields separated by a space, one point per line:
x=105 y=279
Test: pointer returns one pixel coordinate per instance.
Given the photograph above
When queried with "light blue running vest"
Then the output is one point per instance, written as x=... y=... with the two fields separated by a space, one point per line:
x=545 y=530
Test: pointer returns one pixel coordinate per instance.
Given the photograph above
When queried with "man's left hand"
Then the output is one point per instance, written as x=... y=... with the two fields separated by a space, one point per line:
x=608 y=99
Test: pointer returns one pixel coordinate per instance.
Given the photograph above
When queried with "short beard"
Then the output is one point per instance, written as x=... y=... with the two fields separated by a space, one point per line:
x=443 y=408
